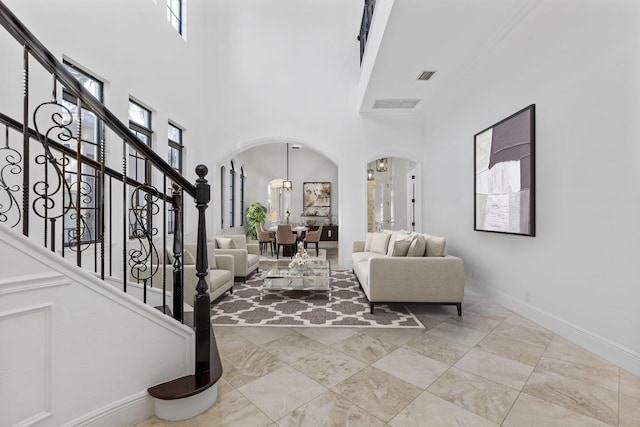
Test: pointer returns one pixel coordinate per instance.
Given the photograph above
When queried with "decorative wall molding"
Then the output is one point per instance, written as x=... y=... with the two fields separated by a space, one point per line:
x=34 y=374
x=32 y=282
x=138 y=406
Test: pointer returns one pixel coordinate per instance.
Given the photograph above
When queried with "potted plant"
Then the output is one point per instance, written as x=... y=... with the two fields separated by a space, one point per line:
x=255 y=215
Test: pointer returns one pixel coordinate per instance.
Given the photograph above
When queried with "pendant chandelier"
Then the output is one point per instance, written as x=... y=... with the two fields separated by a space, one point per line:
x=287 y=185
x=381 y=164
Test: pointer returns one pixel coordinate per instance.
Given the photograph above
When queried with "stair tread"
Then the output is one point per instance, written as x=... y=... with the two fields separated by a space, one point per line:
x=183 y=387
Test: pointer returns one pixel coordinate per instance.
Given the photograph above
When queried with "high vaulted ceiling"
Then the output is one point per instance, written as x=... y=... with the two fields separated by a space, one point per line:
x=445 y=36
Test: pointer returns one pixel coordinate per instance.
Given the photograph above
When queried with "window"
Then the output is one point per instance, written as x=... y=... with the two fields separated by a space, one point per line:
x=174 y=14
x=222 y=198
x=175 y=160
x=84 y=180
x=232 y=192
x=242 y=177
x=138 y=167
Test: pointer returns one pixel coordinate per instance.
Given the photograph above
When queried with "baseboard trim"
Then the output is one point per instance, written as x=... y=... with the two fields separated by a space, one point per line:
x=608 y=350
x=125 y=412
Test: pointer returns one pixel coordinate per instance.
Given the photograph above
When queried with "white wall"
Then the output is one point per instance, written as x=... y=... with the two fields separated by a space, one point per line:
x=578 y=62
x=289 y=70
x=75 y=350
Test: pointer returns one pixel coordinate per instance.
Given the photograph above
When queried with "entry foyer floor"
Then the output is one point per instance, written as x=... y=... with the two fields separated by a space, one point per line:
x=491 y=367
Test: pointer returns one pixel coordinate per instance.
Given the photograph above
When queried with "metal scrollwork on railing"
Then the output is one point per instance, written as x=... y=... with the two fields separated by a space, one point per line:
x=9 y=206
x=144 y=261
x=55 y=185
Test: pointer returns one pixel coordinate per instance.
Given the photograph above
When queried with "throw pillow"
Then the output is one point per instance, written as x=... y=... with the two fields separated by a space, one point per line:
x=417 y=247
x=225 y=243
x=435 y=246
x=399 y=248
x=367 y=242
x=188 y=258
x=395 y=235
x=380 y=243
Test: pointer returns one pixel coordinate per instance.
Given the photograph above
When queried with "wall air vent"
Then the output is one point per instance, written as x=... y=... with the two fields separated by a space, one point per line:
x=426 y=75
x=395 y=103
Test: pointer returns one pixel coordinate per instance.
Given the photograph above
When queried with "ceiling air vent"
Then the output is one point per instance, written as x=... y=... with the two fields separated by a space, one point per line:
x=395 y=103
x=426 y=75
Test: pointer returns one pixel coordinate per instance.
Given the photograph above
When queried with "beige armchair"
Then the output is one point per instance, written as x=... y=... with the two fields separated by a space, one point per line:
x=285 y=237
x=219 y=279
x=313 y=237
x=246 y=256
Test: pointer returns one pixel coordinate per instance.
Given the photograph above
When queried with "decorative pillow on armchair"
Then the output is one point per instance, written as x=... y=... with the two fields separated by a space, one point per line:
x=225 y=243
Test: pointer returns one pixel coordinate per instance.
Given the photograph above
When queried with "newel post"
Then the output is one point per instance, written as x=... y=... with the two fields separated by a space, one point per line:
x=202 y=307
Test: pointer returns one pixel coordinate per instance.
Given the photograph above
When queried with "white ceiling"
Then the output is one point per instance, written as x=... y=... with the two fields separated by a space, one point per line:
x=446 y=36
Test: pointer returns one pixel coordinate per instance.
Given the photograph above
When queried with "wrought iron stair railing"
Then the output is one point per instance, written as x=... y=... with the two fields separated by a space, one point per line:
x=85 y=207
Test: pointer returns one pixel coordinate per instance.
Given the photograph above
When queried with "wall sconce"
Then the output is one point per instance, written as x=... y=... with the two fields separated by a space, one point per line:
x=369 y=174
x=381 y=165
x=287 y=185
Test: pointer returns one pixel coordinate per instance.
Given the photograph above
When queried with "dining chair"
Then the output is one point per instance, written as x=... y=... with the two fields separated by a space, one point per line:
x=264 y=239
x=285 y=237
x=313 y=237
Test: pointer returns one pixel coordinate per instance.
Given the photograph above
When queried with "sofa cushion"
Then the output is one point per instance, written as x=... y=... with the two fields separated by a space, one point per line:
x=418 y=246
x=225 y=243
x=399 y=248
x=368 y=242
x=380 y=243
x=435 y=246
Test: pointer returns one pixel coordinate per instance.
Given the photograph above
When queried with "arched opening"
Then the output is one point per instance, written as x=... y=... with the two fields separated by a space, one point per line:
x=392 y=191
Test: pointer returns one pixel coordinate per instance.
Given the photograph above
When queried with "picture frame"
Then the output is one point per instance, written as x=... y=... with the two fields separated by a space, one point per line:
x=504 y=175
x=316 y=199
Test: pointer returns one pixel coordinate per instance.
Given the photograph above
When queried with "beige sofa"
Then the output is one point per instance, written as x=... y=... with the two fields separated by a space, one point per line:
x=219 y=279
x=246 y=256
x=408 y=267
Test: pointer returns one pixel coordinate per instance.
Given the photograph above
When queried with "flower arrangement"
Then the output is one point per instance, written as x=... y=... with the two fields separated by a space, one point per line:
x=301 y=258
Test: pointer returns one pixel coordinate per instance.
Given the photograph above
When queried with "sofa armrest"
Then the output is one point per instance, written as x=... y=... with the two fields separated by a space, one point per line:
x=426 y=279
x=253 y=248
x=225 y=262
x=239 y=258
x=357 y=246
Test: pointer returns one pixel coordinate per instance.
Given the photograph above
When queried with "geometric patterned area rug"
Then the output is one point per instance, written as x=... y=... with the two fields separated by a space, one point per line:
x=347 y=307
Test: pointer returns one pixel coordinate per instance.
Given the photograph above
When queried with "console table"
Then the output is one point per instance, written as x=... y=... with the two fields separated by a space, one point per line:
x=329 y=232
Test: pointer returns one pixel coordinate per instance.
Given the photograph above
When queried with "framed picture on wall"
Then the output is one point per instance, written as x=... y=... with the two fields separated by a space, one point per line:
x=316 y=199
x=504 y=178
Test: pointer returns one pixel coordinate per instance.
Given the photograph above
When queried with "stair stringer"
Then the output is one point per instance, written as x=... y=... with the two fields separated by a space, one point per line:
x=75 y=350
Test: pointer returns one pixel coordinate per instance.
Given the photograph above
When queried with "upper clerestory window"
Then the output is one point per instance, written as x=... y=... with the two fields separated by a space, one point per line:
x=175 y=14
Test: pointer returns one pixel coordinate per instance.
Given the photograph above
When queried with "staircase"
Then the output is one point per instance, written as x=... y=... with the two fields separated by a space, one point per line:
x=80 y=233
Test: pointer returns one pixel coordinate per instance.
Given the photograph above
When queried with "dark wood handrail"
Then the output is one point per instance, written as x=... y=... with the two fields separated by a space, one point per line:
x=22 y=34
x=16 y=125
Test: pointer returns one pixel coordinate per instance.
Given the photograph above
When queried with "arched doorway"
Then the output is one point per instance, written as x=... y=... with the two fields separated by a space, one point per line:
x=391 y=194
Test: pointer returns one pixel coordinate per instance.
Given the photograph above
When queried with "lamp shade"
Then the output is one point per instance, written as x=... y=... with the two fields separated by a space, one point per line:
x=381 y=164
x=369 y=174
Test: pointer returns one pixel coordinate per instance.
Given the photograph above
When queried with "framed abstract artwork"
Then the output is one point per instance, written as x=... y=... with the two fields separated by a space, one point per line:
x=504 y=178
x=316 y=199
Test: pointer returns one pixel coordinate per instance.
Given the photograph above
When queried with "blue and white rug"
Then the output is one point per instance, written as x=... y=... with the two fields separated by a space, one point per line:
x=347 y=307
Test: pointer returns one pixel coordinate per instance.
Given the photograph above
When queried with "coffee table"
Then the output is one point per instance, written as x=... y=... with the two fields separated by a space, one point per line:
x=316 y=277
